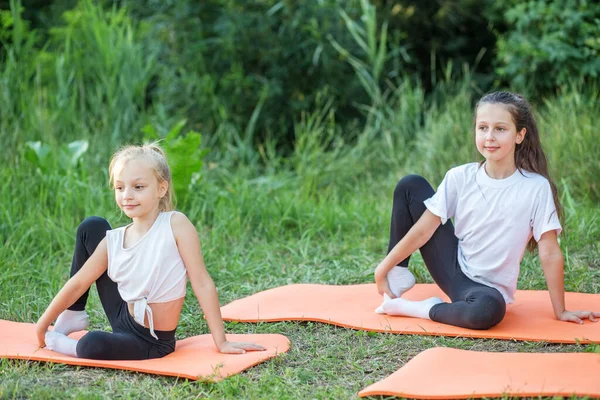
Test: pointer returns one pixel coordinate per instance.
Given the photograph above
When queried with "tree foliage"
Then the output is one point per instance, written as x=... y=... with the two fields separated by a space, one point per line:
x=254 y=68
x=549 y=43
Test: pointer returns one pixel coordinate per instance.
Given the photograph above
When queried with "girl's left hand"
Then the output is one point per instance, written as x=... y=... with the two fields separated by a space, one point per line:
x=578 y=316
x=239 y=347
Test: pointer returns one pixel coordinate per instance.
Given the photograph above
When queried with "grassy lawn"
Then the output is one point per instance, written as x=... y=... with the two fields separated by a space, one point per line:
x=257 y=233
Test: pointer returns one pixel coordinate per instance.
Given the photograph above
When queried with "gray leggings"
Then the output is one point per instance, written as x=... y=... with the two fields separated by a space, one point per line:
x=474 y=306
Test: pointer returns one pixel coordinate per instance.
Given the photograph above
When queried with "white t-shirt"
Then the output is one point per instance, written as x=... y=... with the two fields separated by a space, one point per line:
x=494 y=220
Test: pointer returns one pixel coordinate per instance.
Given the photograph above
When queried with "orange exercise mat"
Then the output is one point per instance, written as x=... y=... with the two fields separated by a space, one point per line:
x=529 y=318
x=194 y=358
x=444 y=373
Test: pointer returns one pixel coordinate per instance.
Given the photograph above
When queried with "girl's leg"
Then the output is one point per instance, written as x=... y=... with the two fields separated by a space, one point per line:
x=61 y=343
x=98 y=345
x=474 y=305
x=408 y=206
x=409 y=195
x=129 y=341
x=121 y=346
x=89 y=234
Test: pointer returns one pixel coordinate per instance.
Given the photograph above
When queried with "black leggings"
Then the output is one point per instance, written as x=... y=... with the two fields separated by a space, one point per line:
x=474 y=305
x=129 y=340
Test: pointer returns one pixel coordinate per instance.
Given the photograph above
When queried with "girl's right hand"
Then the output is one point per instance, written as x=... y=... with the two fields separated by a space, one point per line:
x=383 y=286
x=578 y=316
x=239 y=347
x=40 y=331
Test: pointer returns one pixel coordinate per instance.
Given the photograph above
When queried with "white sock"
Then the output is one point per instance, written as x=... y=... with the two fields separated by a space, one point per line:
x=400 y=280
x=408 y=308
x=71 y=321
x=60 y=343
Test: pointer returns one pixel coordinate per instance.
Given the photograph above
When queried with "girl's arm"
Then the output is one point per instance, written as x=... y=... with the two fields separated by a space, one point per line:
x=552 y=262
x=73 y=289
x=202 y=284
x=416 y=237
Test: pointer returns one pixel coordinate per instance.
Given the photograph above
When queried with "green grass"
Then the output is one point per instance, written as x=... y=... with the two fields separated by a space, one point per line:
x=320 y=215
x=257 y=233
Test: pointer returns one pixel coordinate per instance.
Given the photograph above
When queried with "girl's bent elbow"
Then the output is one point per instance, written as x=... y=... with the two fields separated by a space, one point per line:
x=551 y=257
x=76 y=287
x=424 y=236
x=206 y=286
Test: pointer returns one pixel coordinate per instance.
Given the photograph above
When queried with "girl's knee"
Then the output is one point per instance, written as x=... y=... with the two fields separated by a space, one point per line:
x=91 y=346
x=93 y=224
x=164 y=349
x=485 y=313
x=409 y=183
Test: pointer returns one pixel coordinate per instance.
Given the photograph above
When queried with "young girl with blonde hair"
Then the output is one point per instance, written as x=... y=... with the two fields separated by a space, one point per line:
x=140 y=271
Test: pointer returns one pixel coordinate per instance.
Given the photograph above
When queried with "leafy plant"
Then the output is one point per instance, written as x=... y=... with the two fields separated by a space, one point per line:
x=48 y=159
x=185 y=156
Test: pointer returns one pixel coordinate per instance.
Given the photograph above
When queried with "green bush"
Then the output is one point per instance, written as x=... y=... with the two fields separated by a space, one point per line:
x=222 y=62
x=549 y=43
x=435 y=33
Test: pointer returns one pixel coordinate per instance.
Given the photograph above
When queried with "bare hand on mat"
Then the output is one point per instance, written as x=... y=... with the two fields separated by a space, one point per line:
x=579 y=316
x=239 y=347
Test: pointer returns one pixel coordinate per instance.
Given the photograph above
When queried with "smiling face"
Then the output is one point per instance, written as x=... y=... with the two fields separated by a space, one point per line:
x=496 y=135
x=137 y=189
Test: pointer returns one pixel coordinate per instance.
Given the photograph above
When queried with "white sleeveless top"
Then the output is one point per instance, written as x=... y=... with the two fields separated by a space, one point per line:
x=150 y=271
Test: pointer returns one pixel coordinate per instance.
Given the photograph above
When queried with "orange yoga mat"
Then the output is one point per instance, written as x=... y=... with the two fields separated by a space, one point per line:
x=194 y=358
x=444 y=373
x=529 y=318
